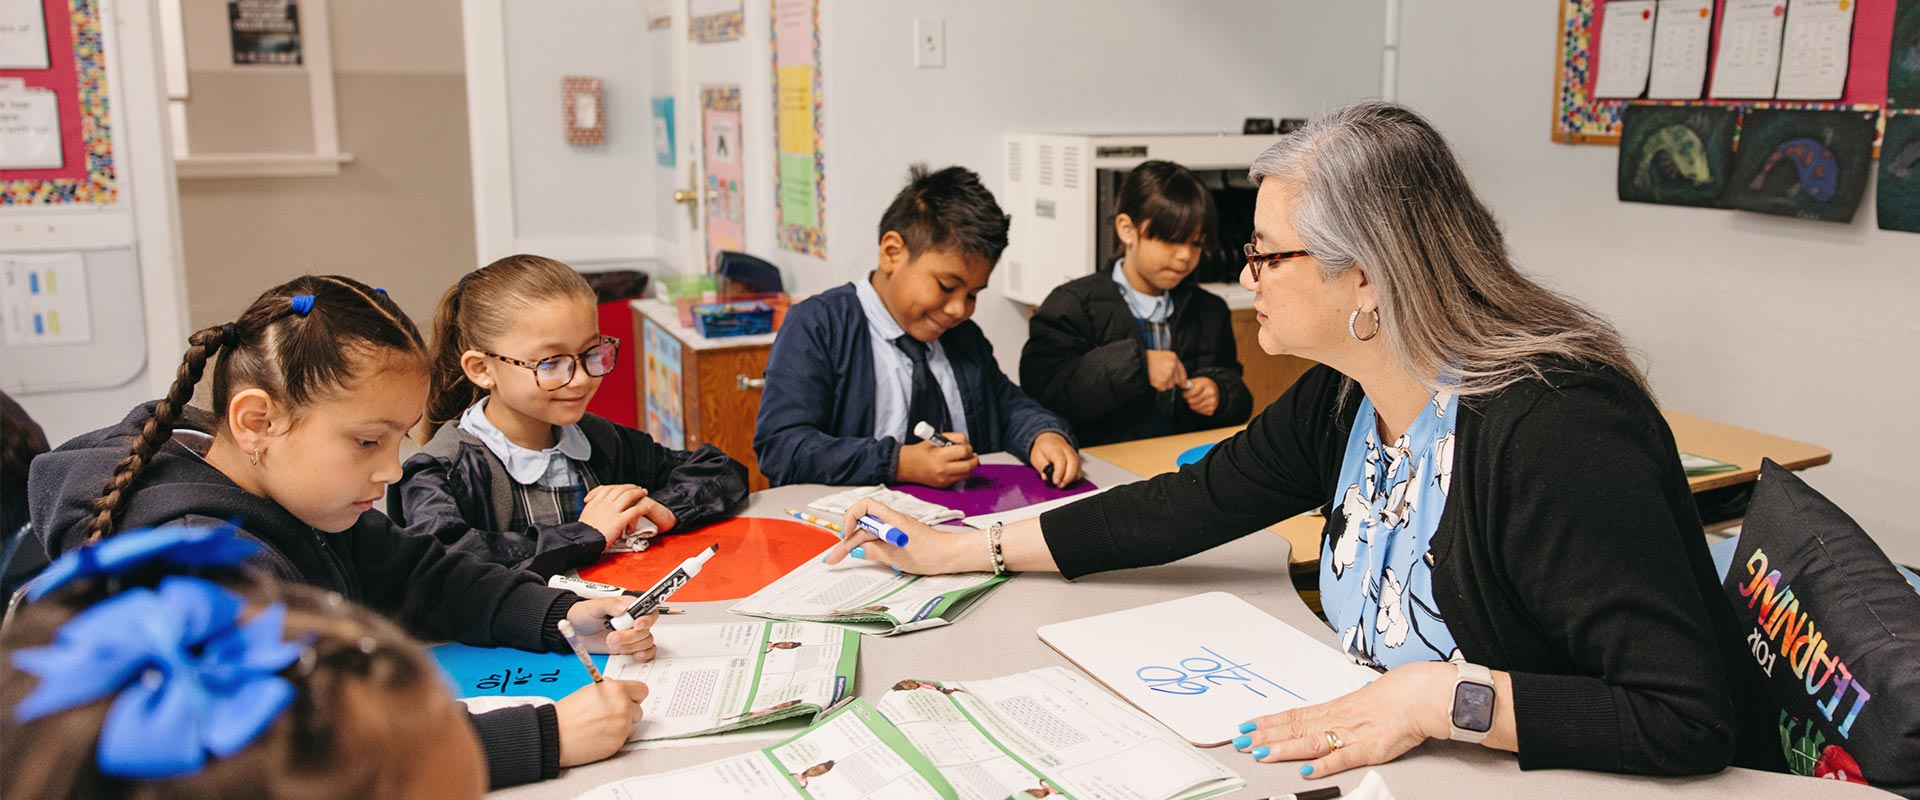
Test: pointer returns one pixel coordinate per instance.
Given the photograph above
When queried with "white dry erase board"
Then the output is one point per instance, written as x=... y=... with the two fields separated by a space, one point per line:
x=1202 y=665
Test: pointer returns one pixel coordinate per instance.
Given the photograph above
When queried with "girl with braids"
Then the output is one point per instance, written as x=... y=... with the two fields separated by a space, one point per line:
x=517 y=471
x=313 y=389
x=128 y=678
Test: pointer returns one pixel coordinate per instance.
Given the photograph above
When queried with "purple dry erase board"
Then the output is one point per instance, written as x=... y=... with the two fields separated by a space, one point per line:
x=995 y=488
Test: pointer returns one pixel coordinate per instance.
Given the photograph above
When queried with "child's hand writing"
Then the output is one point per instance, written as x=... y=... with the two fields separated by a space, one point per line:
x=596 y=720
x=929 y=464
x=1050 y=449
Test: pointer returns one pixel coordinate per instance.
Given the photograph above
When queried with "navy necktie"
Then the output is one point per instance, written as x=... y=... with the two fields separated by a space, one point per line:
x=924 y=401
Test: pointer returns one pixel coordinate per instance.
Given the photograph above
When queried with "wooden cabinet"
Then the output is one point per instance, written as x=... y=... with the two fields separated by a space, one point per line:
x=1266 y=376
x=694 y=390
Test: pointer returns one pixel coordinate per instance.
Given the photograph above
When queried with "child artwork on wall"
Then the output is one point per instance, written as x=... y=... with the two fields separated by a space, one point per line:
x=1899 y=194
x=1903 y=63
x=1676 y=155
x=1807 y=164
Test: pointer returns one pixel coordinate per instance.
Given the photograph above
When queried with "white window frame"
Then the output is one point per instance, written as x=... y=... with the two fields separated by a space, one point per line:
x=316 y=53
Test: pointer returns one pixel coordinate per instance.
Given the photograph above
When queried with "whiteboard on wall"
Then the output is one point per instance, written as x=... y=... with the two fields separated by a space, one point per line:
x=113 y=351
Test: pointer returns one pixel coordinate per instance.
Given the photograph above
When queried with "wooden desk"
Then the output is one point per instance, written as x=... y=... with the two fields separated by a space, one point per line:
x=1740 y=447
x=1703 y=437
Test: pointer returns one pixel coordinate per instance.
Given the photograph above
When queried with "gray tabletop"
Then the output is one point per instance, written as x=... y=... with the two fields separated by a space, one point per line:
x=997 y=638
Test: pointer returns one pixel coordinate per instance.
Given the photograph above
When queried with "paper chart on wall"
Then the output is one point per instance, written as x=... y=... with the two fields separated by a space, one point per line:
x=1748 y=58
x=1683 y=31
x=1816 y=50
x=23 y=35
x=1626 y=45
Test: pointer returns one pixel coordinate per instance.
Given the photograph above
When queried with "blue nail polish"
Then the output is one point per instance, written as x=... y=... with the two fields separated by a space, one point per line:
x=1247 y=727
x=858 y=552
x=1243 y=741
x=1260 y=752
x=1305 y=770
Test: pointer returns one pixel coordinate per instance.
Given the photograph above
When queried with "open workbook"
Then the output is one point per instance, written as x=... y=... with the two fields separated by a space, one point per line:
x=703 y=679
x=868 y=597
x=1046 y=733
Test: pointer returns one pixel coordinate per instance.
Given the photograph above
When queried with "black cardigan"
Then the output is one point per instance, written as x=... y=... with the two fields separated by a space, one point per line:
x=436 y=594
x=458 y=491
x=1085 y=359
x=1569 y=555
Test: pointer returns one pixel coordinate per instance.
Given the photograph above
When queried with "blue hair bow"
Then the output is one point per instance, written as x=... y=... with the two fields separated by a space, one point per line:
x=187 y=678
x=186 y=546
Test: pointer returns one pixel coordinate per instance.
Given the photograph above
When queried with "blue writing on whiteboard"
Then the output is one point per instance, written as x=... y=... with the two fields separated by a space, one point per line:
x=1195 y=675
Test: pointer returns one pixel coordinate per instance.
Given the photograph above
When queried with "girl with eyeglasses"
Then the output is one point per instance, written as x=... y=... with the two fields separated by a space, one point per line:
x=314 y=386
x=517 y=472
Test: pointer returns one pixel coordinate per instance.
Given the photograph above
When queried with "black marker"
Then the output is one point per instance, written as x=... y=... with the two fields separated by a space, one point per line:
x=1326 y=793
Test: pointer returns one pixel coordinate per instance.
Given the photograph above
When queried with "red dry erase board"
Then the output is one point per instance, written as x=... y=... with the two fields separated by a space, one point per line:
x=753 y=553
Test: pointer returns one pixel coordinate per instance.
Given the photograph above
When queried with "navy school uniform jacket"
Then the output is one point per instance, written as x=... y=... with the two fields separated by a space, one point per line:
x=1086 y=358
x=817 y=410
x=435 y=593
x=458 y=491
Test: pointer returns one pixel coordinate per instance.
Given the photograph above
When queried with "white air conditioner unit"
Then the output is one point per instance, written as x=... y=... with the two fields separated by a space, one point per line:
x=1059 y=192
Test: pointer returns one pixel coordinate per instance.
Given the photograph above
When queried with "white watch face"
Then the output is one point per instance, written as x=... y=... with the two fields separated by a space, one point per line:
x=1473 y=707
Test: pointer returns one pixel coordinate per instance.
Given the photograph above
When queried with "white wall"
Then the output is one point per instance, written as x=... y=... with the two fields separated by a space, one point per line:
x=1804 y=329
x=1067 y=66
x=571 y=201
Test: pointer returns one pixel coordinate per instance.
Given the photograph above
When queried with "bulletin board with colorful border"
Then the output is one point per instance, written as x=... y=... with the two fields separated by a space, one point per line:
x=1580 y=118
x=799 y=116
x=77 y=75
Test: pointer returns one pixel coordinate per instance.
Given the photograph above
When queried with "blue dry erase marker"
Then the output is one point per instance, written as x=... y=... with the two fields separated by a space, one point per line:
x=892 y=535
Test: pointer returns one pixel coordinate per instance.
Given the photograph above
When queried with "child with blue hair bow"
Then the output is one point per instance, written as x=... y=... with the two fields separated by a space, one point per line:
x=148 y=665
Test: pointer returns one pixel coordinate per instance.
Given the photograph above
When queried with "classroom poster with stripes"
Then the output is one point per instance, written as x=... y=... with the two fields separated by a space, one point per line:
x=799 y=163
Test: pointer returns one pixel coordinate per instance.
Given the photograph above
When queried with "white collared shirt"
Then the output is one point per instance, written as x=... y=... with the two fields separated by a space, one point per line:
x=549 y=467
x=893 y=371
x=1144 y=306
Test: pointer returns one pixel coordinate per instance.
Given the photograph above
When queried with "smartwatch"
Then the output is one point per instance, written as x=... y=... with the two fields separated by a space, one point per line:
x=1472 y=714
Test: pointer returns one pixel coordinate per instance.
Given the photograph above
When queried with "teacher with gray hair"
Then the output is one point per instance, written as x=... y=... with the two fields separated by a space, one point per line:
x=1510 y=536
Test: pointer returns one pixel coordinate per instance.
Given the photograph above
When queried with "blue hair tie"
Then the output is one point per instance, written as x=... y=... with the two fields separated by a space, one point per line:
x=184 y=546
x=383 y=292
x=302 y=303
x=188 y=679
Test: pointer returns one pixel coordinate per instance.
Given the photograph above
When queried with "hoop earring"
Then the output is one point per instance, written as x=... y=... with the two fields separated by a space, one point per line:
x=254 y=458
x=1355 y=317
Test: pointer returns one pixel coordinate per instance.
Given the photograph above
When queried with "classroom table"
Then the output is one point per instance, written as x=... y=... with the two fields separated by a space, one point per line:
x=1732 y=444
x=1254 y=568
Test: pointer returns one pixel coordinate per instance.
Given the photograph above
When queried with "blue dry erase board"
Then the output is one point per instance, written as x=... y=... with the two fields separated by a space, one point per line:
x=503 y=672
x=1192 y=455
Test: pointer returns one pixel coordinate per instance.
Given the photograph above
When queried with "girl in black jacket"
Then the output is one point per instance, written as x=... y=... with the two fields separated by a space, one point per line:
x=517 y=471
x=314 y=388
x=1135 y=349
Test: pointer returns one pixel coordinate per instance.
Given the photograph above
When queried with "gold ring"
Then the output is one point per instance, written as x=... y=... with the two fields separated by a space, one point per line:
x=1333 y=741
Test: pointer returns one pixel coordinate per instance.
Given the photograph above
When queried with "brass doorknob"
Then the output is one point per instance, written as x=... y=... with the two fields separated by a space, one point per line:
x=685 y=196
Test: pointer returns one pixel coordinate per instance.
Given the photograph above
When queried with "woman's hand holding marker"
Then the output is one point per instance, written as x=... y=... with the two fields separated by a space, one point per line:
x=934 y=552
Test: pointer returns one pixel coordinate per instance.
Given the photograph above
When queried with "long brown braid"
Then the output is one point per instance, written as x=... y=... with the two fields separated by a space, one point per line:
x=296 y=356
x=356 y=714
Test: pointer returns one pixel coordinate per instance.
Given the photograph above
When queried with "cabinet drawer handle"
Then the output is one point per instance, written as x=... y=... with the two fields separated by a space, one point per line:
x=747 y=383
